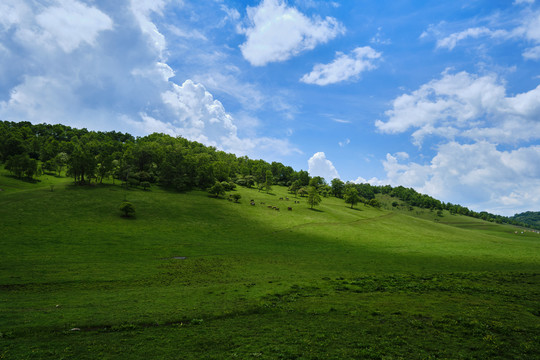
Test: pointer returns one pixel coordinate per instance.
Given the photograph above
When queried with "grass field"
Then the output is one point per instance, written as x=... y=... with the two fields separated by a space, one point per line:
x=194 y=277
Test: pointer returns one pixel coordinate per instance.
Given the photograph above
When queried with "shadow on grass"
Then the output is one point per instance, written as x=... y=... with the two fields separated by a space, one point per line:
x=23 y=179
x=355 y=209
x=316 y=210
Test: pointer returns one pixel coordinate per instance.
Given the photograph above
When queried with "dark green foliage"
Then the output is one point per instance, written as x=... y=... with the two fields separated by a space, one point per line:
x=531 y=218
x=314 y=198
x=145 y=185
x=127 y=209
x=374 y=203
x=22 y=166
x=217 y=189
x=338 y=187
x=236 y=197
x=351 y=196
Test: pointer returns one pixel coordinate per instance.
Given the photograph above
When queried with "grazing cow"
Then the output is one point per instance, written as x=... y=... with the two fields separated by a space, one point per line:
x=287 y=198
x=280 y=198
x=289 y=208
x=252 y=203
x=277 y=209
x=270 y=206
x=262 y=203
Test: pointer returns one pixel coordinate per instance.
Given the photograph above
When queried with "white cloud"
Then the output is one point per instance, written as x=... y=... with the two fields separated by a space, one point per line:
x=467 y=105
x=246 y=93
x=380 y=39
x=71 y=23
x=276 y=32
x=66 y=24
x=523 y=1
x=319 y=165
x=476 y=175
x=199 y=117
x=532 y=53
x=344 y=67
x=344 y=143
x=526 y=26
x=142 y=10
x=451 y=41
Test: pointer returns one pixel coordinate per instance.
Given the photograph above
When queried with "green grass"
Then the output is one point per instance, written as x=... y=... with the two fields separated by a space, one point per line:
x=333 y=283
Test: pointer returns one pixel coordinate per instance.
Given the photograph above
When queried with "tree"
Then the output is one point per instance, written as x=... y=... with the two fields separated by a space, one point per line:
x=317 y=182
x=337 y=187
x=20 y=165
x=236 y=197
x=351 y=196
x=145 y=185
x=302 y=192
x=127 y=209
x=268 y=181
x=217 y=189
x=314 y=198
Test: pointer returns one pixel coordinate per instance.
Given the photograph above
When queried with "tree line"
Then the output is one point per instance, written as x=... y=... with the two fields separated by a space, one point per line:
x=174 y=162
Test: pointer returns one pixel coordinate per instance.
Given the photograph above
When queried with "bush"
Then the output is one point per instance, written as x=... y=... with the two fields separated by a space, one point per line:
x=127 y=208
x=145 y=185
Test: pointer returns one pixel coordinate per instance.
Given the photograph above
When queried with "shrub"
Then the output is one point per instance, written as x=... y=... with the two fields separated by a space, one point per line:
x=127 y=208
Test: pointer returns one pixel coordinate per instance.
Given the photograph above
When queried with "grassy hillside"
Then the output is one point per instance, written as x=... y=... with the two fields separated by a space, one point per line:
x=197 y=277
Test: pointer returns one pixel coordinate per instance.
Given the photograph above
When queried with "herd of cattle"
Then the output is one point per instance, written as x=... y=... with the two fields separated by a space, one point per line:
x=252 y=203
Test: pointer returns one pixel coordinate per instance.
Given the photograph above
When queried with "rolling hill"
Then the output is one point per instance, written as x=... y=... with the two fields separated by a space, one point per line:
x=192 y=276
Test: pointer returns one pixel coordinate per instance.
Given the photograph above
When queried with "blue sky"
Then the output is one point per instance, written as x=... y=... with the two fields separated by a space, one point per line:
x=441 y=96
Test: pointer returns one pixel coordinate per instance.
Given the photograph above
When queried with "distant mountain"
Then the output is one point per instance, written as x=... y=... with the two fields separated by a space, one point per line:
x=529 y=217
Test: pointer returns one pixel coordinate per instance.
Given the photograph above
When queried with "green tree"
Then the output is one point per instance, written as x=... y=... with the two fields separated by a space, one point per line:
x=268 y=181
x=217 y=189
x=127 y=209
x=236 y=197
x=314 y=198
x=337 y=187
x=351 y=196
x=302 y=192
x=145 y=185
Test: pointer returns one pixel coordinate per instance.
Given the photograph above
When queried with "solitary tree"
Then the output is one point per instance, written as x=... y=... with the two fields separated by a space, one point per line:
x=314 y=198
x=127 y=209
x=351 y=196
x=236 y=197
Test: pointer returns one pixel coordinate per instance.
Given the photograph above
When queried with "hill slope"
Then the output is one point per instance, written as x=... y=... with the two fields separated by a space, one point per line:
x=529 y=217
x=197 y=277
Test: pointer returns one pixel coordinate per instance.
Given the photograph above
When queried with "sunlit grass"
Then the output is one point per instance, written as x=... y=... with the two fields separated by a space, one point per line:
x=192 y=276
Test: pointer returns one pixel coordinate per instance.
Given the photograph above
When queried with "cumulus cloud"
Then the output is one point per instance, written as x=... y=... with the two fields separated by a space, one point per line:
x=477 y=175
x=276 y=32
x=66 y=24
x=344 y=67
x=319 y=165
x=200 y=117
x=466 y=105
x=142 y=10
x=106 y=76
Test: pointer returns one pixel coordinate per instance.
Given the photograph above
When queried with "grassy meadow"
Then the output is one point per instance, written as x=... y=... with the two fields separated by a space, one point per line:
x=195 y=277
